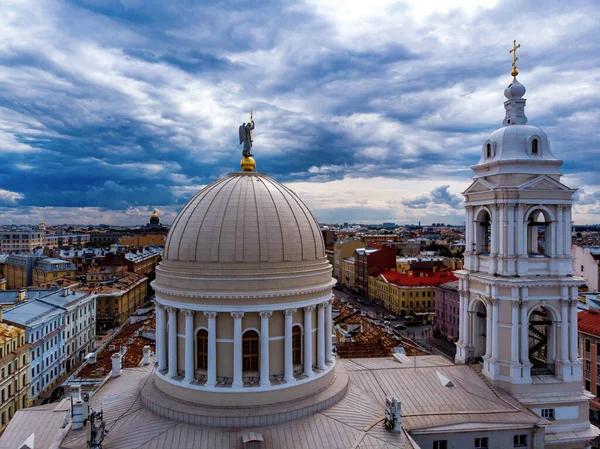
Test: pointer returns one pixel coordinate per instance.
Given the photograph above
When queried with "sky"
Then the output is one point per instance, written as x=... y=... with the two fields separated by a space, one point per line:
x=370 y=111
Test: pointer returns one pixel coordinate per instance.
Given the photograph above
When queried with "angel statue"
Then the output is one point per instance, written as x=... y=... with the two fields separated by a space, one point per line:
x=246 y=136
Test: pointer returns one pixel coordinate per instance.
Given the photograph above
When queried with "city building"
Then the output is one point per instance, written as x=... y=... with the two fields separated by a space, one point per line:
x=47 y=270
x=19 y=270
x=405 y=294
x=143 y=260
x=586 y=263
x=344 y=249
x=79 y=322
x=143 y=240
x=589 y=350
x=105 y=238
x=22 y=241
x=44 y=331
x=371 y=260
x=447 y=304
x=518 y=295
x=117 y=300
x=14 y=371
x=347 y=273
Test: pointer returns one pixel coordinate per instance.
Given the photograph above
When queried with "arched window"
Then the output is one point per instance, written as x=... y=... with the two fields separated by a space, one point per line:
x=250 y=341
x=542 y=341
x=488 y=150
x=534 y=146
x=483 y=236
x=202 y=349
x=297 y=345
x=538 y=234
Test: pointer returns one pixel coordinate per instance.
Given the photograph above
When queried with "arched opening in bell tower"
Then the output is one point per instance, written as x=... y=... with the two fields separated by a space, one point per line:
x=538 y=233
x=483 y=233
x=479 y=326
x=542 y=340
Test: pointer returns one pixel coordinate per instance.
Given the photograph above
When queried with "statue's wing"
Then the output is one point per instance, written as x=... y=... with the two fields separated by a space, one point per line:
x=242 y=132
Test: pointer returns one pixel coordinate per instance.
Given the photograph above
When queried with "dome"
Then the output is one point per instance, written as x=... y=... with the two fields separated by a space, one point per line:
x=154 y=220
x=510 y=150
x=514 y=90
x=244 y=236
x=246 y=217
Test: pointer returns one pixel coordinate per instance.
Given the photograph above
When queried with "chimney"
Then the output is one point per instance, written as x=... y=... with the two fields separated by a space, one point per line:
x=21 y=295
x=65 y=292
x=116 y=364
x=146 y=355
x=393 y=418
x=80 y=412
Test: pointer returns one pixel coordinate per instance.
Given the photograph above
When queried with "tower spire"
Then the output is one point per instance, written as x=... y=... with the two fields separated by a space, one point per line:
x=514 y=72
x=515 y=103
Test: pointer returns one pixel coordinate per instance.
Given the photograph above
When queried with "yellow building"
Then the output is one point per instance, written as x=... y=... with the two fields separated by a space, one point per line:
x=48 y=270
x=14 y=371
x=405 y=294
x=347 y=273
x=117 y=302
x=143 y=240
x=366 y=238
x=343 y=249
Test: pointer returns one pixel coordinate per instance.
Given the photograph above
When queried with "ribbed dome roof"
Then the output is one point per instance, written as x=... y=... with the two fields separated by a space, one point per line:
x=246 y=217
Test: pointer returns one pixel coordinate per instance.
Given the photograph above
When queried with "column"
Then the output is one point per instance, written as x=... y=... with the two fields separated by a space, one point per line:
x=519 y=226
x=560 y=229
x=494 y=231
x=573 y=331
x=514 y=343
x=172 y=341
x=161 y=337
x=189 y=346
x=488 y=331
x=524 y=327
x=511 y=230
x=288 y=351
x=321 y=335
x=564 y=327
x=308 y=356
x=264 y=349
x=211 y=375
x=567 y=230
x=237 y=349
x=495 y=340
x=469 y=230
x=502 y=226
x=461 y=321
x=328 y=333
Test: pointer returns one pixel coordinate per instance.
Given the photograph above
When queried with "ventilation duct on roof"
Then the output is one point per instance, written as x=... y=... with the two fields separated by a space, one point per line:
x=444 y=380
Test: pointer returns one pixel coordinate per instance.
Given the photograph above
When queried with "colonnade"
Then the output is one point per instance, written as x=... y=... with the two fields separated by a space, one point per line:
x=562 y=346
x=166 y=343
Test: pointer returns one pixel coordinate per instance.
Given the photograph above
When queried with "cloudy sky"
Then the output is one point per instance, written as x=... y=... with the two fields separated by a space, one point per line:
x=370 y=110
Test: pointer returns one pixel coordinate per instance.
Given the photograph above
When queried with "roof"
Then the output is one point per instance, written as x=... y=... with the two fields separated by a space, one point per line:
x=427 y=403
x=429 y=280
x=245 y=217
x=45 y=422
x=12 y=296
x=32 y=313
x=589 y=322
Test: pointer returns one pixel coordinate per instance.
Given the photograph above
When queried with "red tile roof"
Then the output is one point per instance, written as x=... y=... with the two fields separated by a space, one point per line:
x=429 y=279
x=589 y=322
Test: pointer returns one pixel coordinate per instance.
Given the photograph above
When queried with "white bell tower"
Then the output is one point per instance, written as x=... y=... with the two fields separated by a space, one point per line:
x=518 y=296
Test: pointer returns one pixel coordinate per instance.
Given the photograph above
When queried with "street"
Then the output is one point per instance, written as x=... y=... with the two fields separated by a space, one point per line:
x=421 y=334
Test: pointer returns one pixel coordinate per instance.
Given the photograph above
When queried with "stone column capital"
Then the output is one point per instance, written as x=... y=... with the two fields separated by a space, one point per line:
x=289 y=312
x=266 y=314
x=159 y=306
x=493 y=301
x=211 y=315
x=516 y=304
x=322 y=305
x=188 y=312
x=309 y=308
x=237 y=315
x=511 y=206
x=171 y=309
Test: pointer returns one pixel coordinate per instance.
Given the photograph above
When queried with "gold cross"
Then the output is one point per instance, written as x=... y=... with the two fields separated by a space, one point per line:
x=514 y=72
x=252 y=122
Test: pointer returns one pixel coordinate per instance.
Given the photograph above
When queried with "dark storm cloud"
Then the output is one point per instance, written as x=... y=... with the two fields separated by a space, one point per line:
x=121 y=104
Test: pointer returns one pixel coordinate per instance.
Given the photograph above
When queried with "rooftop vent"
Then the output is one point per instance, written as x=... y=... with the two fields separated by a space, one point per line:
x=444 y=380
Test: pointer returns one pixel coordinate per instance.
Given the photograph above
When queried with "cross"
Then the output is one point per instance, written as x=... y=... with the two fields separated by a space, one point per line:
x=514 y=72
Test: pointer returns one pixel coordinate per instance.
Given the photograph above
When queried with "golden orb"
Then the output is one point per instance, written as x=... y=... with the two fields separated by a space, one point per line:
x=248 y=164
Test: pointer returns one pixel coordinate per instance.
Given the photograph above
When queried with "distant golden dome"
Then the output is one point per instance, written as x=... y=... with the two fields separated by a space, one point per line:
x=154 y=218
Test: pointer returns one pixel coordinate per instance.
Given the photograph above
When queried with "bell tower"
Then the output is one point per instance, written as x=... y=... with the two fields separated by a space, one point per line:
x=518 y=295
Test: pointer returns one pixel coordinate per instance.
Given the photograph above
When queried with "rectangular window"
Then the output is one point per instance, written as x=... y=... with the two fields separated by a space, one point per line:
x=548 y=413
x=587 y=345
x=520 y=441
x=588 y=366
x=481 y=443
x=588 y=386
x=440 y=444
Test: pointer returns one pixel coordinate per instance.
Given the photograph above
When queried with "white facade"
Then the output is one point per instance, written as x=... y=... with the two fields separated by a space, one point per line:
x=518 y=295
x=586 y=263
